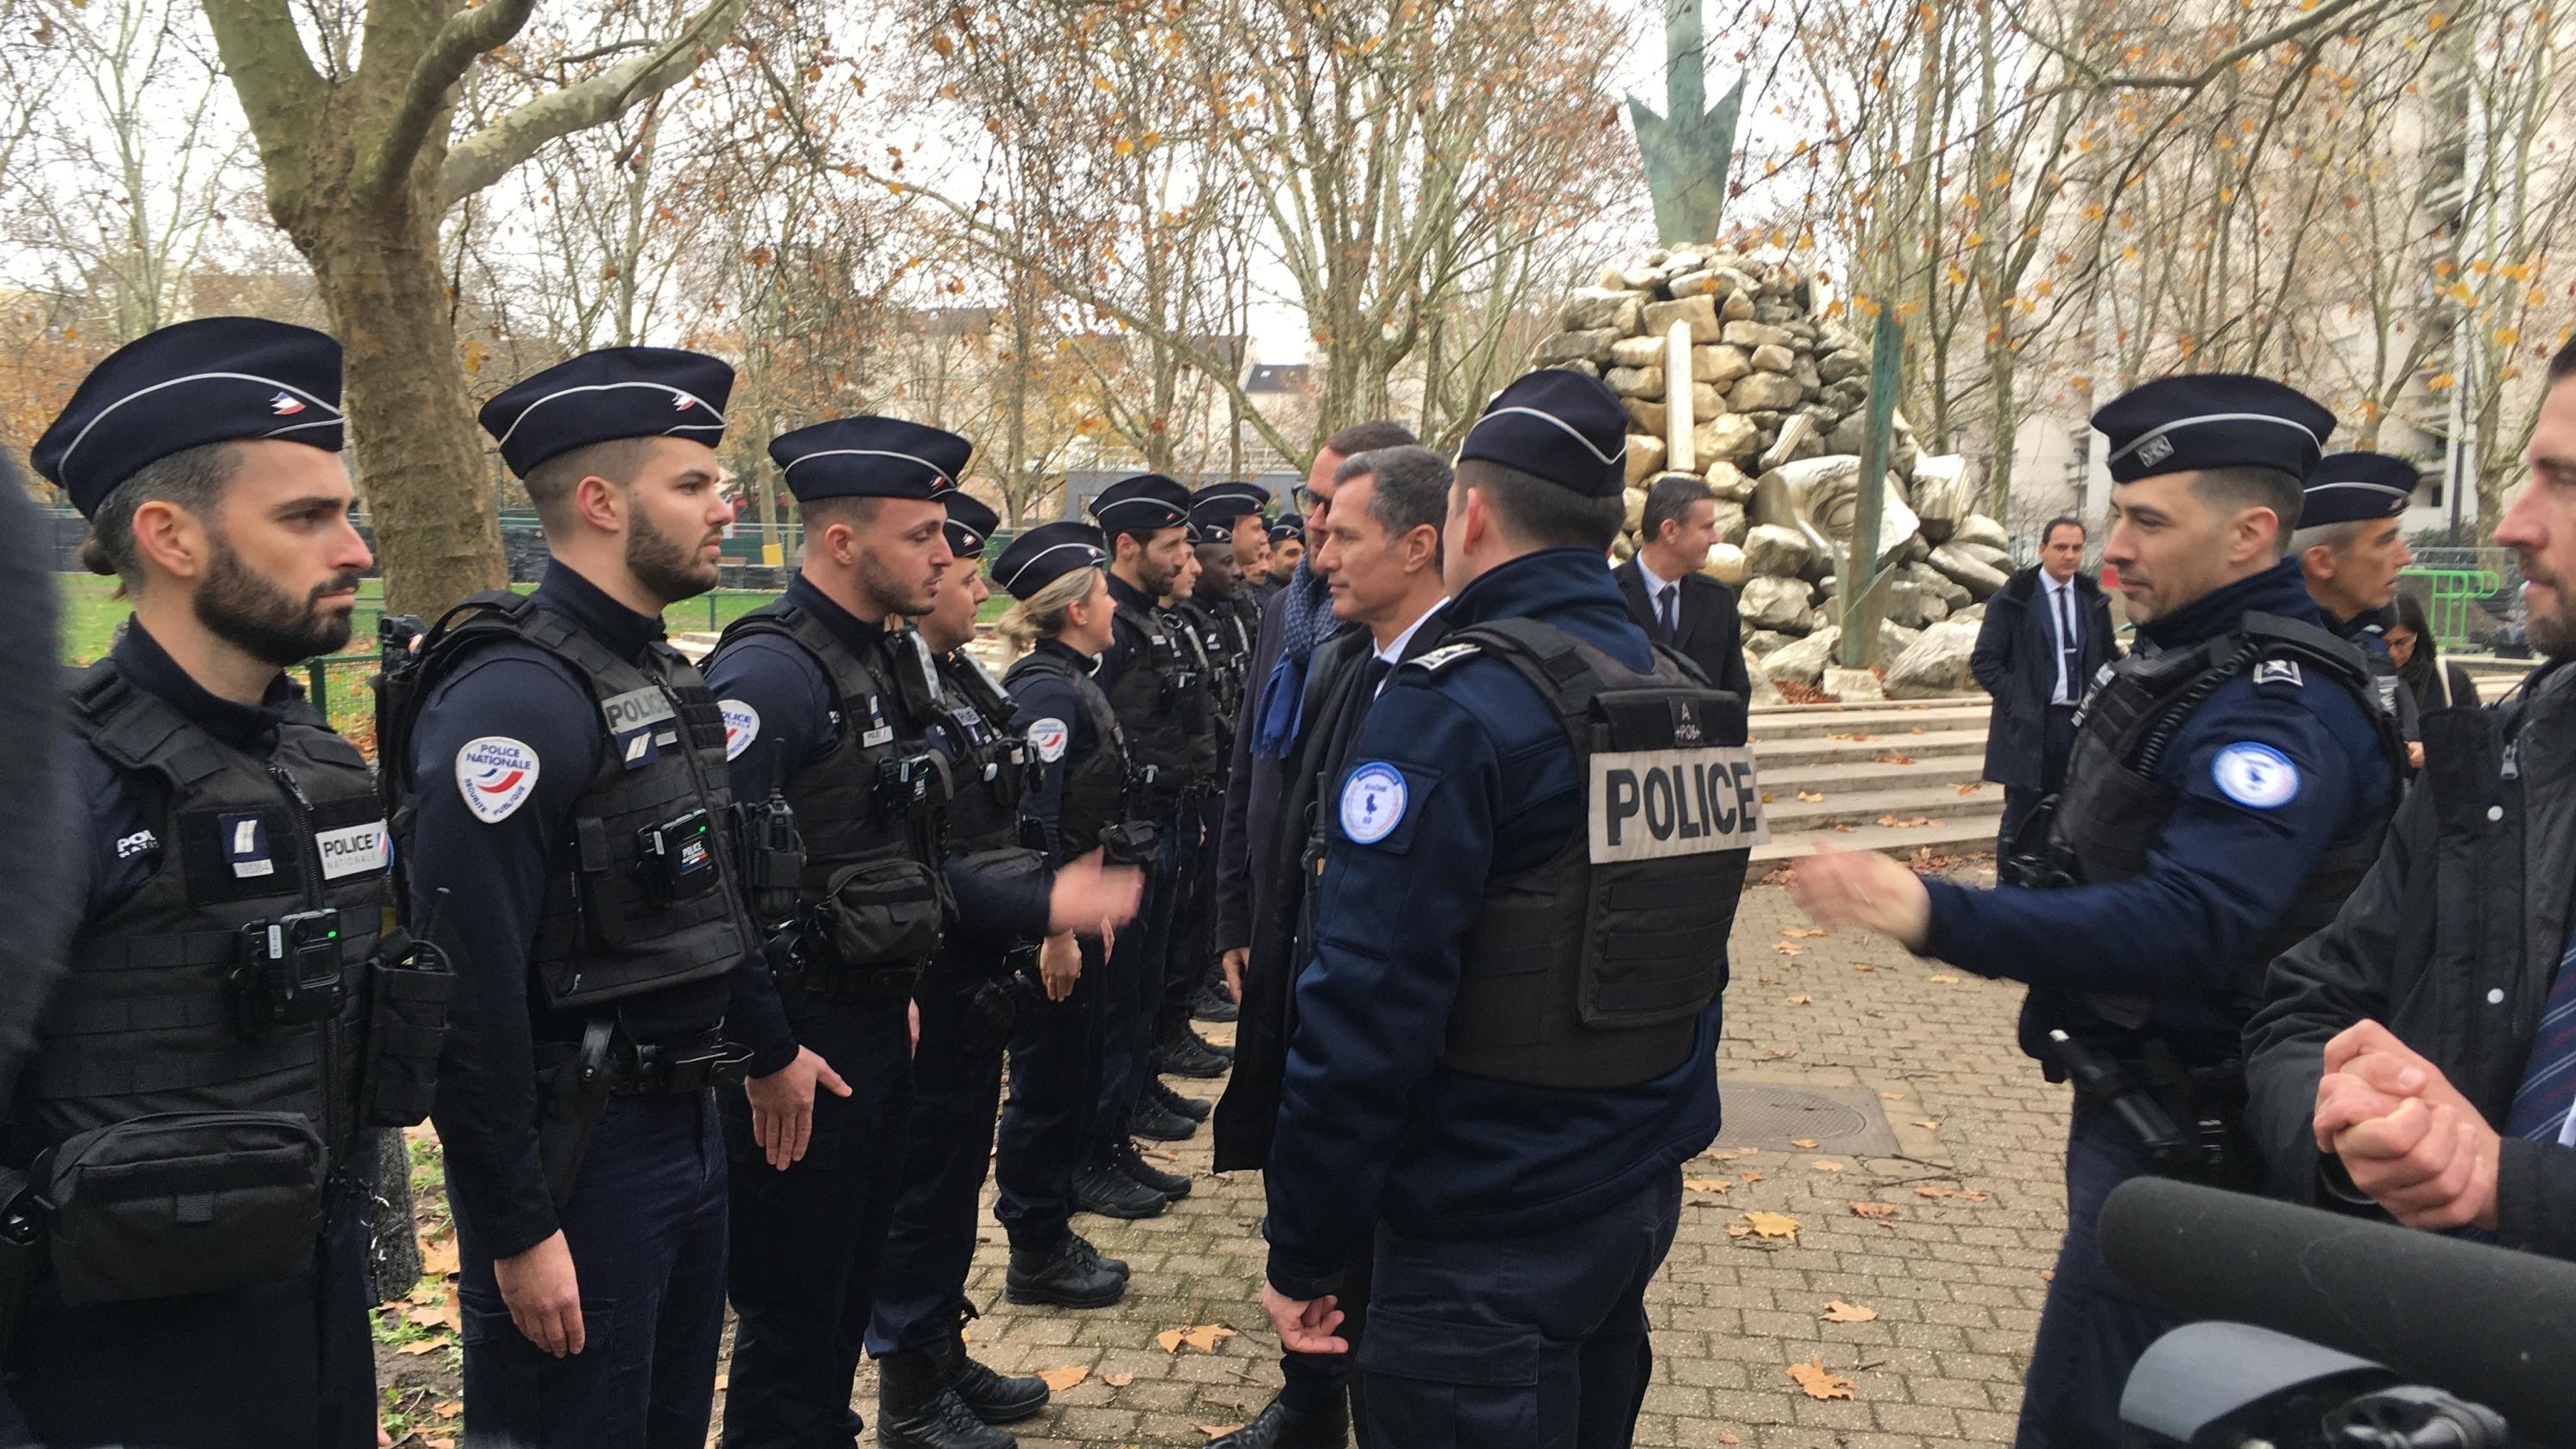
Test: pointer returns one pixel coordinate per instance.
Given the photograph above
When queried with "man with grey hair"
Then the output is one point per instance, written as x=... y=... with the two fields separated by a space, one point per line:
x=2351 y=548
x=1380 y=553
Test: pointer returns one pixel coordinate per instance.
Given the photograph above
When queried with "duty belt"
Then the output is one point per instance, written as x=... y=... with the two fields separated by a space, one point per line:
x=653 y=1069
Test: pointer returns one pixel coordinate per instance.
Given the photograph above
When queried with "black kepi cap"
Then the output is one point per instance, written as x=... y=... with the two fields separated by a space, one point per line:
x=1287 y=526
x=600 y=397
x=2352 y=486
x=870 y=457
x=1558 y=425
x=212 y=380
x=969 y=524
x=2212 y=420
x=1141 y=504
x=1045 y=554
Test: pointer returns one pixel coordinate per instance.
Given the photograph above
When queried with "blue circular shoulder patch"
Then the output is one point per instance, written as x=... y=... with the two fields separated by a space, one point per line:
x=2258 y=777
x=1372 y=802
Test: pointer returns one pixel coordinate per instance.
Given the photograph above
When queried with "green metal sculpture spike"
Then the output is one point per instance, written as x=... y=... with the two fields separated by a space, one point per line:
x=1687 y=149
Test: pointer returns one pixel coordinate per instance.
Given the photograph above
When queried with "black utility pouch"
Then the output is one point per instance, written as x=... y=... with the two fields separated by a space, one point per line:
x=881 y=913
x=409 y=994
x=1130 y=842
x=184 y=1202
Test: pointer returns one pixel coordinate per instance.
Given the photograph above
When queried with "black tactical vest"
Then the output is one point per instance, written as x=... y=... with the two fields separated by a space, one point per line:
x=644 y=896
x=1161 y=697
x=1228 y=651
x=1592 y=969
x=871 y=804
x=1095 y=784
x=166 y=1008
x=990 y=775
x=2105 y=821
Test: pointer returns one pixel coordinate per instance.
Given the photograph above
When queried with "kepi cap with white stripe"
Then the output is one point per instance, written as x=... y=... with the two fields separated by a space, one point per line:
x=2213 y=420
x=1045 y=554
x=1227 y=502
x=969 y=524
x=1141 y=504
x=1558 y=425
x=870 y=457
x=1287 y=526
x=2357 y=486
x=211 y=380
x=600 y=397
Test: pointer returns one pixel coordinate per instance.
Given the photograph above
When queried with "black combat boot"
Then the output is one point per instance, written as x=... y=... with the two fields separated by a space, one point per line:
x=1278 y=1426
x=1183 y=1054
x=1214 y=1003
x=1152 y=1120
x=1172 y=1185
x=917 y=1410
x=991 y=1397
x=1092 y=1251
x=1170 y=1100
x=1099 y=1187
x=1072 y=1274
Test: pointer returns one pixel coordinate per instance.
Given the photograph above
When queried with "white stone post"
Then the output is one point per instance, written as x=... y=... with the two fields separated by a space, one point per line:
x=1680 y=429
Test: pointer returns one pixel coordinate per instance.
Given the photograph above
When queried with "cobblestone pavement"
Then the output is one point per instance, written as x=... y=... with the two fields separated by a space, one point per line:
x=1954 y=1272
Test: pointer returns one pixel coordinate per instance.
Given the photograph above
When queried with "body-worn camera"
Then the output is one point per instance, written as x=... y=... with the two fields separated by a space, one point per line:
x=677 y=858
x=904 y=783
x=289 y=972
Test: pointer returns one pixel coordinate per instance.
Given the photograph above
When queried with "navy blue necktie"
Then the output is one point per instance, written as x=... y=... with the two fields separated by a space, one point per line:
x=1664 y=611
x=2548 y=1087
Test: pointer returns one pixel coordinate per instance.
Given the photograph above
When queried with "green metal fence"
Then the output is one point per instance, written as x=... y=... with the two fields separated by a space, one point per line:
x=2452 y=599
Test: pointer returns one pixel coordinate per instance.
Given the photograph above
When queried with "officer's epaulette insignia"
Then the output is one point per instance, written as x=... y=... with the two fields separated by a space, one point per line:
x=1444 y=656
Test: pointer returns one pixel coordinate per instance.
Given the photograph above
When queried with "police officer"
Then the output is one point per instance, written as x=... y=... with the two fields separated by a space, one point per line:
x=1226 y=519
x=558 y=772
x=194 y=1113
x=827 y=698
x=1085 y=799
x=1287 y=546
x=2229 y=786
x=1008 y=899
x=2351 y=548
x=1468 y=1069
x=1155 y=684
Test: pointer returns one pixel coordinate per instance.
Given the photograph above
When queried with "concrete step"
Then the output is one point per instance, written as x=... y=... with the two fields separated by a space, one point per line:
x=1811 y=722
x=1865 y=807
x=1947 y=835
x=1773 y=755
x=1844 y=778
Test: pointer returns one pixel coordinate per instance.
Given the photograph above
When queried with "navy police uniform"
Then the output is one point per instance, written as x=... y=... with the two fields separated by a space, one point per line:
x=1226 y=625
x=2349 y=487
x=1458 y=1082
x=2229 y=785
x=169 y=1052
x=1079 y=802
x=560 y=779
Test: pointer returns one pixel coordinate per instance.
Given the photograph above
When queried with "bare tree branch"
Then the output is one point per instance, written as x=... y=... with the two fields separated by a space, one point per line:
x=468 y=33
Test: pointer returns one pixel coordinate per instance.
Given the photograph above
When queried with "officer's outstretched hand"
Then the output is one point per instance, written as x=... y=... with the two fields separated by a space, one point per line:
x=1304 y=1326
x=544 y=1297
x=782 y=1106
x=1863 y=888
x=1089 y=891
x=1059 y=964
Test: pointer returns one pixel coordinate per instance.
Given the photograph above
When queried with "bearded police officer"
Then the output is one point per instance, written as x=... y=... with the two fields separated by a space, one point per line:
x=1152 y=675
x=1504 y=1048
x=931 y=1395
x=2229 y=786
x=193 y=1115
x=1226 y=621
x=2351 y=547
x=558 y=773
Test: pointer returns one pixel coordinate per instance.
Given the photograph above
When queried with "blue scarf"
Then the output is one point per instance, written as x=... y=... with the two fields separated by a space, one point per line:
x=1309 y=621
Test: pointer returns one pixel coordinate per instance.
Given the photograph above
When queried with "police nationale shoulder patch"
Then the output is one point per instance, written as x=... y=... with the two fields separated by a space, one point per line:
x=1372 y=802
x=496 y=775
x=2258 y=777
x=1048 y=737
x=742 y=725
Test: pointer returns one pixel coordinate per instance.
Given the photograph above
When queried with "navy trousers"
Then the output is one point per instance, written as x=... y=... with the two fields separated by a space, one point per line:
x=1131 y=991
x=2057 y=742
x=948 y=1144
x=1187 y=962
x=1047 y=1119
x=1535 y=1342
x=288 y=1364
x=2092 y=1331
x=808 y=1242
x=646 y=1224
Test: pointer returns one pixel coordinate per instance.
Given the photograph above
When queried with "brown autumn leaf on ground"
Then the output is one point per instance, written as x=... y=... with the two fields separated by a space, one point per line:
x=1878 y=1210
x=1944 y=980
x=1773 y=1225
x=419 y=1346
x=1788 y=948
x=1802 y=1141
x=1891 y=1096
x=1837 y=1311
x=1118 y=1381
x=1750 y=1176
x=1216 y=1431
x=1768 y=798
x=1782 y=1054
x=1862 y=966
x=1802 y=1001
x=1827 y=1164
x=1811 y=797
x=1801 y=933
x=438 y=1259
x=1937 y=1189
x=448 y=1408
x=1706 y=1184
x=1058 y=1380
x=1818 y=1381
x=1971 y=788
x=1892 y=757
x=1927 y=1123
x=1854 y=738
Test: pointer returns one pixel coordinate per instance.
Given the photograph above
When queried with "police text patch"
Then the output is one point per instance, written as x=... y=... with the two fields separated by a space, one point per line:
x=1372 y=803
x=1647 y=804
x=356 y=850
x=741 y=725
x=495 y=775
x=2258 y=777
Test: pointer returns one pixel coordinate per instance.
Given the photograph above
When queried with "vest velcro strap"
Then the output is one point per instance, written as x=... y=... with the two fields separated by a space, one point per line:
x=103 y=1075
x=156 y=953
x=161 y=1011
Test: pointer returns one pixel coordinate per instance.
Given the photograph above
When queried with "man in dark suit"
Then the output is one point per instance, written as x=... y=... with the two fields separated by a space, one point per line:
x=1679 y=607
x=1380 y=551
x=2045 y=633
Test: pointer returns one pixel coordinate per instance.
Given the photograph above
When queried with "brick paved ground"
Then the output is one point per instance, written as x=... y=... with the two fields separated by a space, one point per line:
x=1956 y=1281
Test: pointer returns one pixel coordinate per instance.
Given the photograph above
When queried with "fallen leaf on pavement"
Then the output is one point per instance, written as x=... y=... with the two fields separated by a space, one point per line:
x=1819 y=1383
x=1936 y=1189
x=1058 y=1380
x=2048 y=1275
x=1863 y=966
x=1810 y=797
x=1207 y=1336
x=427 y=1317
x=1945 y=980
x=1802 y=1141
x=1891 y=1096
x=1773 y=1225
x=1837 y=1311
x=1803 y=933
x=1782 y=1054
x=1788 y=948
x=1967 y=790
x=448 y=1408
x=1826 y=1164
x=1891 y=757
x=438 y=1259
x=1767 y=797
x=1728 y=1439
x=1802 y=1001
x=419 y=1346
x=1880 y=1210
x=1749 y=1175
x=1216 y=1431
x=1706 y=1184
x=723 y=1382
x=1118 y=1381
x=1973 y=1195
x=1927 y=1123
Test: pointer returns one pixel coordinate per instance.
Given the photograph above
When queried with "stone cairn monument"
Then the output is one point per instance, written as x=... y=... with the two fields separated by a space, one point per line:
x=1728 y=376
